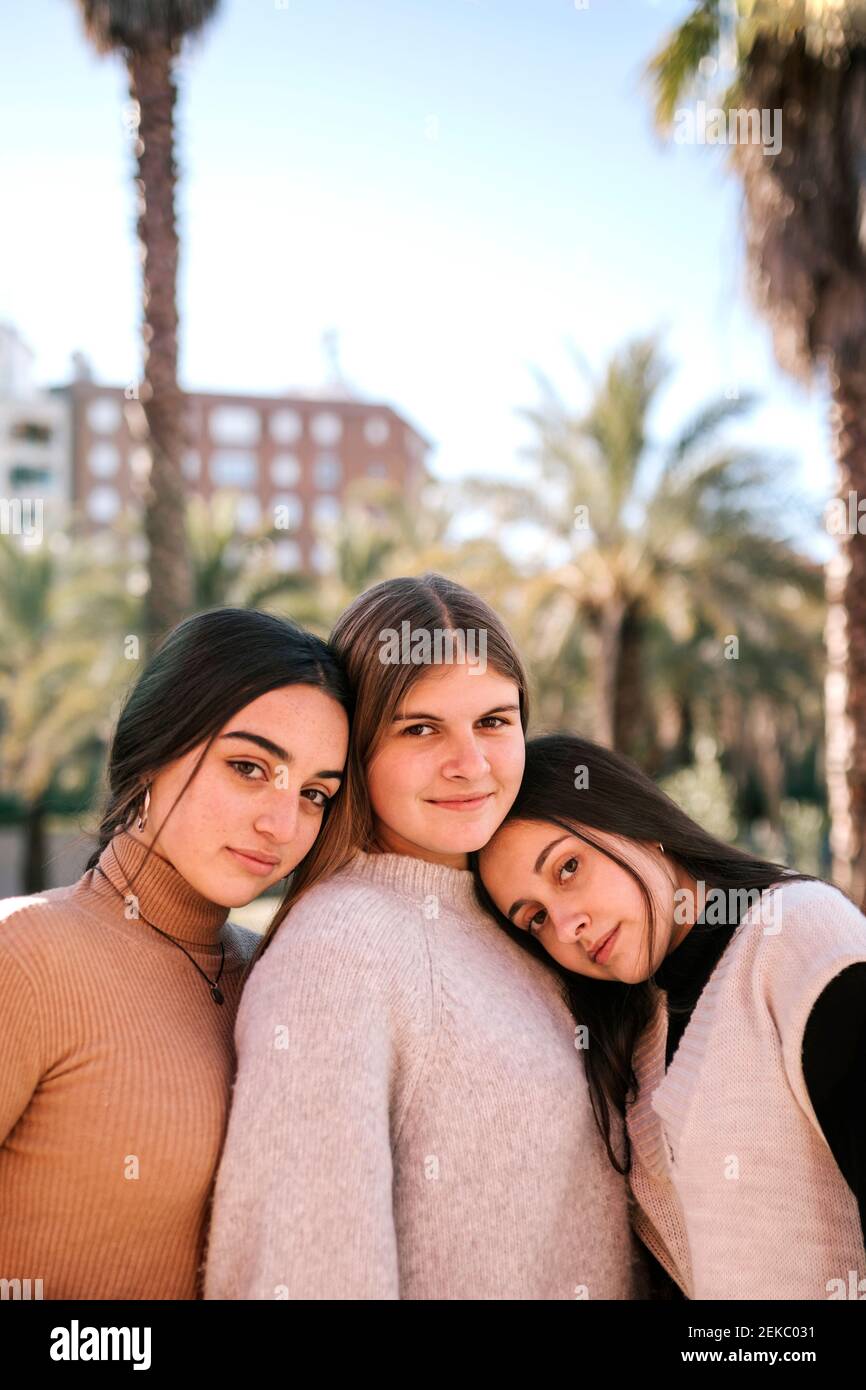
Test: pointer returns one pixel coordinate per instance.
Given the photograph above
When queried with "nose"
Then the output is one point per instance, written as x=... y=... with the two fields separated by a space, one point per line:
x=467 y=759
x=279 y=822
x=569 y=925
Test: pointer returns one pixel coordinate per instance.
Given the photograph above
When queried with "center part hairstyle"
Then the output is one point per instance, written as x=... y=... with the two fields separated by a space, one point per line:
x=428 y=604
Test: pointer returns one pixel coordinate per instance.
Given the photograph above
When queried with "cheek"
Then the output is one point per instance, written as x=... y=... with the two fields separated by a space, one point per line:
x=385 y=777
x=508 y=760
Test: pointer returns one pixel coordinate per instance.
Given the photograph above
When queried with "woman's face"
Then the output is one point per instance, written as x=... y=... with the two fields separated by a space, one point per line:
x=261 y=789
x=571 y=896
x=449 y=767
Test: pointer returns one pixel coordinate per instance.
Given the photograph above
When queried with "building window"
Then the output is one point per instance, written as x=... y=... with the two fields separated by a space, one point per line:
x=235 y=424
x=326 y=427
x=233 y=468
x=326 y=470
x=377 y=469
x=286 y=425
x=376 y=430
x=285 y=469
x=103 y=503
x=192 y=465
x=287 y=556
x=26 y=477
x=31 y=431
x=103 y=460
x=322 y=557
x=103 y=414
x=326 y=510
x=248 y=512
x=287 y=511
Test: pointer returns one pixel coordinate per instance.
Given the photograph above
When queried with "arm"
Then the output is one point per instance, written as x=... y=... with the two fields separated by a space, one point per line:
x=20 y=1046
x=303 y=1199
x=834 y=1066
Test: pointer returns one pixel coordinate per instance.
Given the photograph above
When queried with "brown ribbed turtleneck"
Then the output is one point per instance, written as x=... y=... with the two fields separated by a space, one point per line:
x=115 y=1080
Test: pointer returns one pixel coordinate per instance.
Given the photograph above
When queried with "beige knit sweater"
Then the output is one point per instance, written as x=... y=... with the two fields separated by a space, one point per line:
x=411 y=1118
x=115 y=1072
x=740 y=1195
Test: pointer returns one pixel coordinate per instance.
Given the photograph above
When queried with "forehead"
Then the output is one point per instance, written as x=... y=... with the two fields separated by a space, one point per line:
x=458 y=689
x=517 y=844
x=284 y=713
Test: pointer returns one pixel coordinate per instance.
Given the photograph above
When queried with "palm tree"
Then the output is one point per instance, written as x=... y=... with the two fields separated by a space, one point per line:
x=232 y=568
x=678 y=539
x=149 y=35
x=807 y=270
x=65 y=627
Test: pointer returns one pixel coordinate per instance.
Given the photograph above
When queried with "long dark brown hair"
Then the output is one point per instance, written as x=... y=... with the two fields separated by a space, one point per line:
x=613 y=795
x=207 y=668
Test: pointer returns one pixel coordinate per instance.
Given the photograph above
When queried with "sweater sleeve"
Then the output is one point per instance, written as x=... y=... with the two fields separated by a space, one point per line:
x=834 y=1065
x=20 y=1047
x=331 y=1032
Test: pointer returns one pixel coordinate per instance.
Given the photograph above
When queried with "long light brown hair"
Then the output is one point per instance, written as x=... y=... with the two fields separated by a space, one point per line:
x=428 y=602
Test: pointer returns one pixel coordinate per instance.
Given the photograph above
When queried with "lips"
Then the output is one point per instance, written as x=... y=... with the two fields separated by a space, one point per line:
x=601 y=945
x=459 y=800
x=265 y=861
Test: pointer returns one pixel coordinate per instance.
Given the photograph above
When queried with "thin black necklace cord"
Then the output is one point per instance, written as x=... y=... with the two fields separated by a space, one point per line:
x=213 y=985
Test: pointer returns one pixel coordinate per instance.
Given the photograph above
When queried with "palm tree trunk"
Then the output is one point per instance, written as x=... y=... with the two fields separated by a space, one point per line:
x=169 y=597
x=846 y=646
x=33 y=865
x=628 y=709
x=608 y=627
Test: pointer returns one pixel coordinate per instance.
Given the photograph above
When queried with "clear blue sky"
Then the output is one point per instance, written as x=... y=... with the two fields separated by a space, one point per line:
x=460 y=187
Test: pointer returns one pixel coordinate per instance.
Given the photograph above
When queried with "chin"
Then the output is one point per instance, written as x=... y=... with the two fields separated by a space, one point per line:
x=234 y=894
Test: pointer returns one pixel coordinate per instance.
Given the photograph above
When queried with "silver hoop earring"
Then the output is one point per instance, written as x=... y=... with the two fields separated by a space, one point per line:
x=142 y=819
x=661 y=847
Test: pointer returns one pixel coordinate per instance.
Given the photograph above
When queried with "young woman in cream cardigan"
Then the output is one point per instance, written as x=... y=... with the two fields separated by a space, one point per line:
x=723 y=1005
x=410 y=1118
x=118 y=993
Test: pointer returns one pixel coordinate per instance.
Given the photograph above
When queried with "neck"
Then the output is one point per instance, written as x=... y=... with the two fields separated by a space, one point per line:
x=423 y=880
x=687 y=909
x=145 y=885
x=388 y=841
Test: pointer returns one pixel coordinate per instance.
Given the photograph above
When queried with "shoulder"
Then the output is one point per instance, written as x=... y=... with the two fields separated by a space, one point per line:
x=808 y=933
x=37 y=926
x=343 y=938
x=810 y=916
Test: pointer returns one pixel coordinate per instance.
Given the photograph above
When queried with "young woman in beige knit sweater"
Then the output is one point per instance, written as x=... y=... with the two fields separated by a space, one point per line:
x=722 y=1002
x=118 y=993
x=410 y=1118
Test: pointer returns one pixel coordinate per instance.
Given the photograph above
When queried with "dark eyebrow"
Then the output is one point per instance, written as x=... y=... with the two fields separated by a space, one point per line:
x=539 y=865
x=276 y=750
x=400 y=718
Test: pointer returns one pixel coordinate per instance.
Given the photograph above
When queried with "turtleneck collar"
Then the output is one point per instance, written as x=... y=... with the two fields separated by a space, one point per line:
x=418 y=878
x=687 y=968
x=165 y=898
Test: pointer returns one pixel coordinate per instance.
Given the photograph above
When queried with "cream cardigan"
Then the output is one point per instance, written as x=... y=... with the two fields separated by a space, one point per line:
x=738 y=1193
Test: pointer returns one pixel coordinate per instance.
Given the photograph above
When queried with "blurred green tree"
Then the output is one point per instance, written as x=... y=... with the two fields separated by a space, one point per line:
x=805 y=63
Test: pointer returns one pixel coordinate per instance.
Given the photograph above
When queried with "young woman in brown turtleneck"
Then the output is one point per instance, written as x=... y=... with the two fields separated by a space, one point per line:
x=118 y=994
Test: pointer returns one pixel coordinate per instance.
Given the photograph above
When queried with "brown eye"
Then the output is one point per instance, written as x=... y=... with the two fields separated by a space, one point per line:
x=238 y=763
x=310 y=792
x=533 y=921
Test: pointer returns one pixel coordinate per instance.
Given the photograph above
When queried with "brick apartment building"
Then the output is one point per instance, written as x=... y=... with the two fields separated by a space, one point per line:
x=295 y=453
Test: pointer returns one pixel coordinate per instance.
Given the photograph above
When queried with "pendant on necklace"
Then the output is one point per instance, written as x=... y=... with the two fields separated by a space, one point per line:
x=217 y=994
